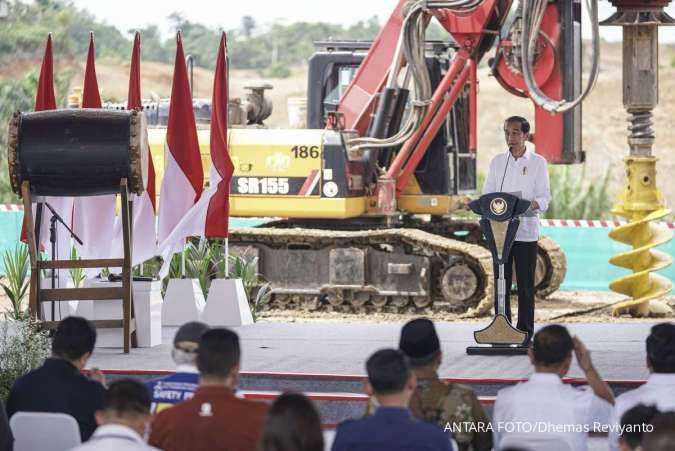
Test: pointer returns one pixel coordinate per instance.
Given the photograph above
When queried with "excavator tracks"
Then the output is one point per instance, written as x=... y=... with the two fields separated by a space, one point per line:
x=394 y=270
x=551 y=261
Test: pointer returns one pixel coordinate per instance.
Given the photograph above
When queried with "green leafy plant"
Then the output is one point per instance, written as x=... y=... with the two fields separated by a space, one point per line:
x=244 y=266
x=78 y=275
x=16 y=264
x=575 y=197
x=23 y=347
x=199 y=264
x=261 y=297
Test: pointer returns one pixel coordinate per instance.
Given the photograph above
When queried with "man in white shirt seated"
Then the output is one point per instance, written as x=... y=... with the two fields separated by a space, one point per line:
x=659 y=390
x=124 y=419
x=545 y=407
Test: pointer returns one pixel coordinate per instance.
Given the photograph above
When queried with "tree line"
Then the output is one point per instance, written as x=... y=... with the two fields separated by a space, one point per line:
x=270 y=50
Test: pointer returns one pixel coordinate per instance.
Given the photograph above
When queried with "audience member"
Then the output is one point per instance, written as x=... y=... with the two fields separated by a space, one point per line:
x=438 y=402
x=392 y=427
x=292 y=424
x=124 y=419
x=6 y=437
x=545 y=399
x=58 y=385
x=181 y=385
x=214 y=419
x=659 y=390
x=633 y=424
x=662 y=435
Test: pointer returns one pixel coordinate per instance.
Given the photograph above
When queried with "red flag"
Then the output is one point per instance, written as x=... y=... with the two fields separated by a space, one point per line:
x=44 y=100
x=221 y=164
x=134 y=102
x=143 y=220
x=183 y=180
x=90 y=95
x=93 y=216
x=209 y=216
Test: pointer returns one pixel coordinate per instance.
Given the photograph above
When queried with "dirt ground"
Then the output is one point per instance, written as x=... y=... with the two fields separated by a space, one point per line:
x=560 y=307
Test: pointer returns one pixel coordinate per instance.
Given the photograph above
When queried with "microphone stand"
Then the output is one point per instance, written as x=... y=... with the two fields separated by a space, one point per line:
x=52 y=239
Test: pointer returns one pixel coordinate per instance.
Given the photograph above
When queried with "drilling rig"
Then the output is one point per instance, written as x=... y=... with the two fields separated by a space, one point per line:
x=368 y=190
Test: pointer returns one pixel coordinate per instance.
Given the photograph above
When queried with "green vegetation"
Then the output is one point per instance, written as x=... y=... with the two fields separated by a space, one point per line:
x=23 y=34
x=573 y=196
x=23 y=347
x=16 y=264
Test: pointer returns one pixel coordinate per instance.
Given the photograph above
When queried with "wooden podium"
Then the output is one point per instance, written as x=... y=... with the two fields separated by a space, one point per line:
x=39 y=295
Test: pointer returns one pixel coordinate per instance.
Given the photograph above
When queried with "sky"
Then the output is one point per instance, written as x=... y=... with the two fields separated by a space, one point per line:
x=227 y=14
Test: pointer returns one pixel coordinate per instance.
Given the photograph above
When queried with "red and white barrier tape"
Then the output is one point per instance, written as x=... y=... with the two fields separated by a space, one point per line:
x=11 y=207
x=588 y=223
x=579 y=223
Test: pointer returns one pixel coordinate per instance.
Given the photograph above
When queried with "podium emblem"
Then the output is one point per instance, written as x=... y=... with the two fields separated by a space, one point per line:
x=498 y=206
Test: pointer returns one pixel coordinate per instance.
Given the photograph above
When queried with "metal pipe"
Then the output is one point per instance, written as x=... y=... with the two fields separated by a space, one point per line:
x=473 y=108
x=431 y=131
x=459 y=62
x=190 y=63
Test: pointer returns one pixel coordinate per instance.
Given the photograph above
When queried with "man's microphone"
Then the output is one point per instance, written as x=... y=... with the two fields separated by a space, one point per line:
x=508 y=157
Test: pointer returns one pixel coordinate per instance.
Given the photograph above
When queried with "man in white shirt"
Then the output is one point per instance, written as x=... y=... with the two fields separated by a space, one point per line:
x=522 y=172
x=123 y=421
x=659 y=390
x=544 y=405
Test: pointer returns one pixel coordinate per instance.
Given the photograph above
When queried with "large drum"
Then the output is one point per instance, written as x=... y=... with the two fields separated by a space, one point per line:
x=78 y=152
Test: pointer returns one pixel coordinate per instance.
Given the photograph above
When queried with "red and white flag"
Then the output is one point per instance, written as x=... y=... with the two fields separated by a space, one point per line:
x=143 y=221
x=209 y=217
x=183 y=180
x=45 y=100
x=93 y=216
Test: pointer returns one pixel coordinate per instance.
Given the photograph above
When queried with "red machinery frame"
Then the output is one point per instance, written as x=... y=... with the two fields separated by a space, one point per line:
x=468 y=29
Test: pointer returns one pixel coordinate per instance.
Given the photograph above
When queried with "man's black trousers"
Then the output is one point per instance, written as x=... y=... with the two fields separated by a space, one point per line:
x=524 y=254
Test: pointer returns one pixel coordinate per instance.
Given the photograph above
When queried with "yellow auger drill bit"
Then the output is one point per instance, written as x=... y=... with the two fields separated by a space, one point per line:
x=642 y=204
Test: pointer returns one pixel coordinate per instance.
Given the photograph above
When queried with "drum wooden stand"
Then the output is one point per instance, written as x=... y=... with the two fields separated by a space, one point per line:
x=38 y=295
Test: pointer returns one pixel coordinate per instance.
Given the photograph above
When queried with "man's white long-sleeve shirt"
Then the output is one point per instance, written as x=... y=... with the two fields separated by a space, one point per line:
x=659 y=391
x=544 y=404
x=527 y=177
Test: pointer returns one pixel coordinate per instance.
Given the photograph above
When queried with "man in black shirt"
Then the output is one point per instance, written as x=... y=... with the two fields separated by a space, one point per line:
x=58 y=386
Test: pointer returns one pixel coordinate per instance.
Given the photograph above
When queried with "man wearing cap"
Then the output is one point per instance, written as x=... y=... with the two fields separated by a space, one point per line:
x=181 y=385
x=438 y=402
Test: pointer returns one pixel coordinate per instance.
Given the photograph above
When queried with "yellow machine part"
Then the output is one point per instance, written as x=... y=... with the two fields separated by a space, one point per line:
x=643 y=205
x=276 y=173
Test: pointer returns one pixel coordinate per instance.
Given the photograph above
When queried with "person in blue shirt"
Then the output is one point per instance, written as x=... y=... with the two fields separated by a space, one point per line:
x=181 y=385
x=392 y=427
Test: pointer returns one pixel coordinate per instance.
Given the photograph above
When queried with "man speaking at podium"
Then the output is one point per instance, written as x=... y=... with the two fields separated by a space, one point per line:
x=523 y=173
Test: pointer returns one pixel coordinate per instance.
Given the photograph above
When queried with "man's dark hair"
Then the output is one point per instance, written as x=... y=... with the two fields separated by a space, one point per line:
x=662 y=436
x=552 y=345
x=632 y=421
x=524 y=124
x=218 y=352
x=388 y=371
x=127 y=397
x=74 y=337
x=661 y=348
x=293 y=424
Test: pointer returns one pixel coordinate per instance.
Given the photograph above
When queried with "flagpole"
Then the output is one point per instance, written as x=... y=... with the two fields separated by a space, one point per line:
x=182 y=263
x=227 y=258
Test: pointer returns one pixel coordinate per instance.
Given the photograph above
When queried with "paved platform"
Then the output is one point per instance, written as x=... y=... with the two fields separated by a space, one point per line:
x=341 y=348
